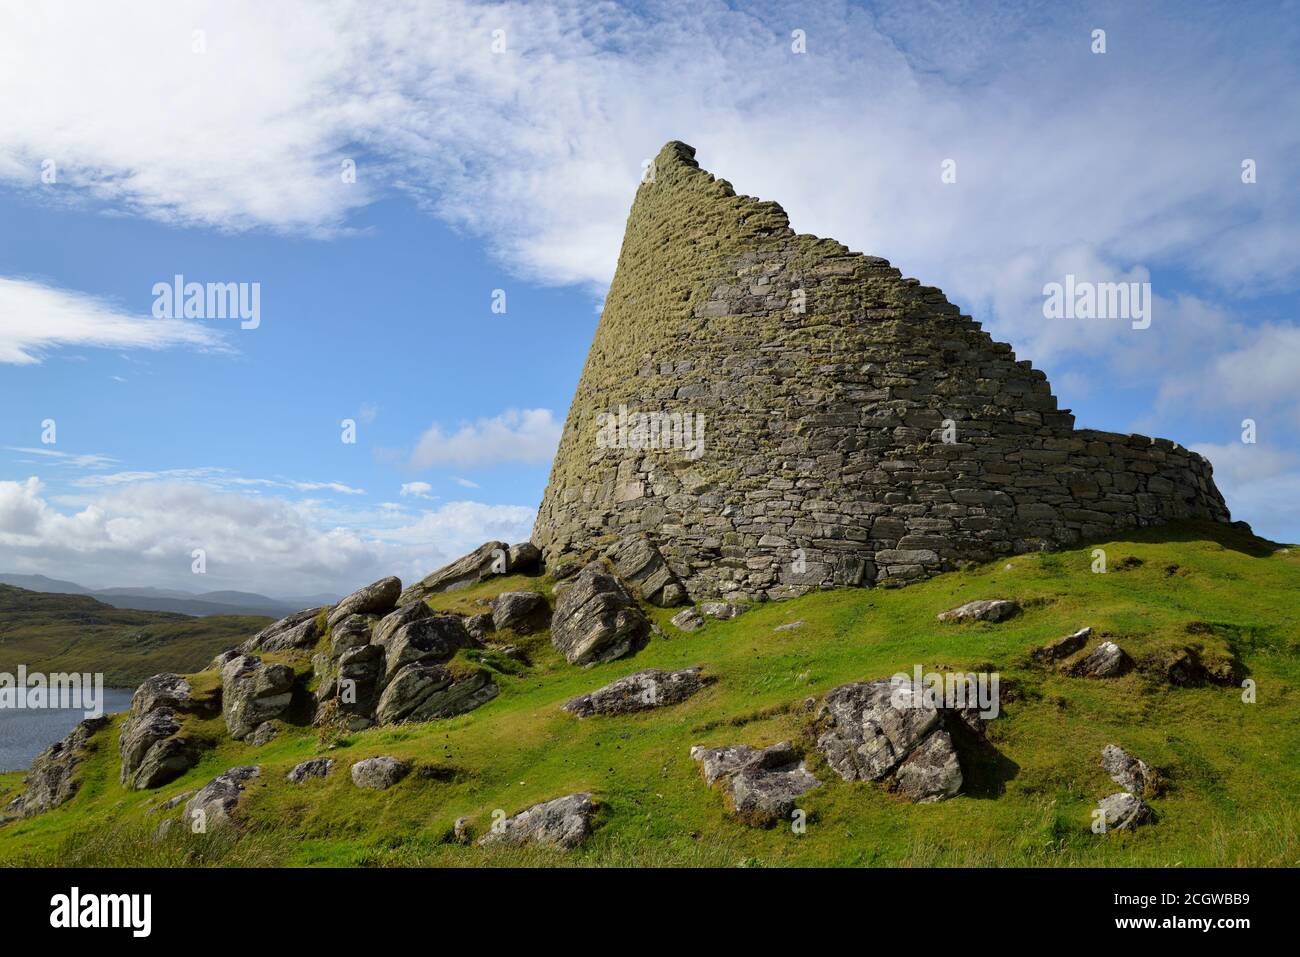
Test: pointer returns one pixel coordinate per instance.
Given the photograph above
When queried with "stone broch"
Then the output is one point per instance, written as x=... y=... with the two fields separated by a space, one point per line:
x=825 y=379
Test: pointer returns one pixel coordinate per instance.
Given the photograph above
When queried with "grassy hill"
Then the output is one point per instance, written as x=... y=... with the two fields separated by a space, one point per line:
x=1232 y=769
x=52 y=632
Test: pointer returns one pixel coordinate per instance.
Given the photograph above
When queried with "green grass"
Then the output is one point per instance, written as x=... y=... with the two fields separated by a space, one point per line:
x=52 y=633
x=1232 y=769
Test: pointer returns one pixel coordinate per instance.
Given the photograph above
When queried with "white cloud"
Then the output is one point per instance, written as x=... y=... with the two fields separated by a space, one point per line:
x=36 y=318
x=214 y=478
x=80 y=461
x=262 y=543
x=529 y=436
x=416 y=490
x=464 y=482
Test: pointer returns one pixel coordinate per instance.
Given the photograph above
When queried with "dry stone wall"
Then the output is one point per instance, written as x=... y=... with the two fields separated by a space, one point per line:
x=856 y=427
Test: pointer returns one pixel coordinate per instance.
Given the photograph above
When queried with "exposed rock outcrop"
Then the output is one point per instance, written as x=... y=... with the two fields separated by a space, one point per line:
x=52 y=779
x=643 y=569
x=761 y=786
x=313 y=768
x=378 y=598
x=1062 y=647
x=1124 y=812
x=688 y=619
x=217 y=803
x=1130 y=773
x=596 y=619
x=379 y=774
x=1107 y=660
x=642 y=691
x=522 y=612
x=872 y=729
x=299 y=630
x=989 y=609
x=490 y=558
x=426 y=692
x=253 y=692
x=564 y=822
x=152 y=744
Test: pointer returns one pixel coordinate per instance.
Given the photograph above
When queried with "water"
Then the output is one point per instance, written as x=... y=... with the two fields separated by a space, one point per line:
x=25 y=734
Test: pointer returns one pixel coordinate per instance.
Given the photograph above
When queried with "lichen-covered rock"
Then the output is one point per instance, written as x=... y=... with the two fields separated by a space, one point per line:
x=153 y=748
x=313 y=768
x=1062 y=647
x=378 y=598
x=564 y=822
x=523 y=612
x=642 y=568
x=931 y=771
x=596 y=619
x=153 y=751
x=761 y=786
x=349 y=633
x=479 y=626
x=52 y=778
x=642 y=691
x=404 y=615
x=490 y=558
x=1130 y=773
x=1107 y=660
x=217 y=802
x=688 y=619
x=379 y=774
x=722 y=610
x=431 y=639
x=426 y=692
x=358 y=685
x=1124 y=811
x=253 y=692
x=989 y=609
x=264 y=733
x=299 y=630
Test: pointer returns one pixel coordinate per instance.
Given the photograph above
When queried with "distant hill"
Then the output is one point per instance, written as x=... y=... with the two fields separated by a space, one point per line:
x=199 y=605
x=50 y=632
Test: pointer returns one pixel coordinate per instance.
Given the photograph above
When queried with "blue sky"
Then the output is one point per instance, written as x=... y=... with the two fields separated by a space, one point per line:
x=218 y=154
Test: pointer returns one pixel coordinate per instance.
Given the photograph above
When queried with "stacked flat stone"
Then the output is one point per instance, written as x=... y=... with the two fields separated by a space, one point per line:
x=824 y=459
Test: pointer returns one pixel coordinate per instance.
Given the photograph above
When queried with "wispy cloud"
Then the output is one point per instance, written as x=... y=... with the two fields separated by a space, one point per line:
x=416 y=490
x=71 y=459
x=36 y=318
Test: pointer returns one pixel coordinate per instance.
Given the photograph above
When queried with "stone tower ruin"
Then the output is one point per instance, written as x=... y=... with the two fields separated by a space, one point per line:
x=857 y=429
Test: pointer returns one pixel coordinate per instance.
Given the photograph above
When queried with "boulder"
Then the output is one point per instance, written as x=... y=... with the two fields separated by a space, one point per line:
x=219 y=662
x=564 y=822
x=523 y=612
x=461 y=832
x=989 y=609
x=479 y=626
x=299 y=630
x=1124 y=811
x=931 y=772
x=378 y=598
x=490 y=558
x=350 y=632
x=1062 y=647
x=425 y=692
x=596 y=619
x=1107 y=660
x=688 y=619
x=313 y=768
x=638 y=562
x=358 y=685
x=523 y=558
x=153 y=748
x=153 y=752
x=379 y=774
x=253 y=692
x=430 y=640
x=264 y=733
x=52 y=778
x=1130 y=773
x=722 y=610
x=760 y=786
x=217 y=802
x=642 y=691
